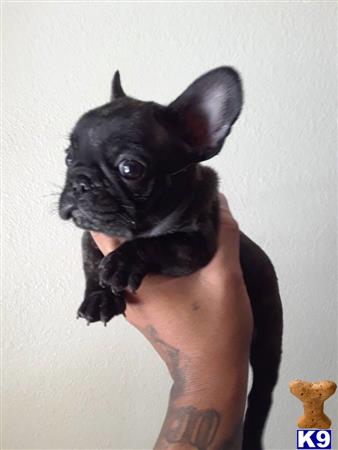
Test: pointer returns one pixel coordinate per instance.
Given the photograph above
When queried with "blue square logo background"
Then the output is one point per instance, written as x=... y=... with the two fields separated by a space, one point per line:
x=313 y=439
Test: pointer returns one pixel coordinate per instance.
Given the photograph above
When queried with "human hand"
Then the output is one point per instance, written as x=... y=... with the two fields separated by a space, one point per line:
x=201 y=326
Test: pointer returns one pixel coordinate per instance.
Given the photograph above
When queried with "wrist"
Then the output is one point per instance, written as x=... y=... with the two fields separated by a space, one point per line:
x=222 y=386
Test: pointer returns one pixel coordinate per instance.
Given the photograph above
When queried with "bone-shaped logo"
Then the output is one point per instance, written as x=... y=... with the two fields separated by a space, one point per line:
x=313 y=396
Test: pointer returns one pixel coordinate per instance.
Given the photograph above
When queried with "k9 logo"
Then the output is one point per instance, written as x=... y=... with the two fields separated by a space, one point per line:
x=313 y=439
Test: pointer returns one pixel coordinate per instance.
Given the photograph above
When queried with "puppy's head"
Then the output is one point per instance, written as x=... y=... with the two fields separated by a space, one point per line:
x=130 y=162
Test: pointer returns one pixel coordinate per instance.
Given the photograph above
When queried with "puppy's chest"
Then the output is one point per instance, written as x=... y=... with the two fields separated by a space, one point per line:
x=175 y=222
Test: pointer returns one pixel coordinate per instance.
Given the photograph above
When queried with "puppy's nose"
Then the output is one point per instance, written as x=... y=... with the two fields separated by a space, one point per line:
x=81 y=185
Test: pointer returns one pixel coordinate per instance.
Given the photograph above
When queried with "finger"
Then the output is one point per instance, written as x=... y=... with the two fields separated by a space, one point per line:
x=106 y=244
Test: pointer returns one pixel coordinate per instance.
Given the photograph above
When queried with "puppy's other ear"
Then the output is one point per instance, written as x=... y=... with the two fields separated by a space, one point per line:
x=116 y=88
x=206 y=111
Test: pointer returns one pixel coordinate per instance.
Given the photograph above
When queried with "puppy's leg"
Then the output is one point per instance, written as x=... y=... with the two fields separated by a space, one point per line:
x=265 y=359
x=99 y=303
x=175 y=254
x=262 y=286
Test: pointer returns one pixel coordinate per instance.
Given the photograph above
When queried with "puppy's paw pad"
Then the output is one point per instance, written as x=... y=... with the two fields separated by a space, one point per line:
x=101 y=306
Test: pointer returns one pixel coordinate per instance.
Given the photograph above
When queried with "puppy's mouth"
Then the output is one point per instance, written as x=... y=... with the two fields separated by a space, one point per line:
x=88 y=206
x=96 y=214
x=84 y=221
x=80 y=216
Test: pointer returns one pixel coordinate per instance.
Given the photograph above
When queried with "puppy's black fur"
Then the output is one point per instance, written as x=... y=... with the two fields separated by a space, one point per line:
x=134 y=172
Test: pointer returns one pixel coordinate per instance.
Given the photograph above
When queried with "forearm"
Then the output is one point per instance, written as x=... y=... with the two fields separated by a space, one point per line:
x=206 y=417
x=209 y=372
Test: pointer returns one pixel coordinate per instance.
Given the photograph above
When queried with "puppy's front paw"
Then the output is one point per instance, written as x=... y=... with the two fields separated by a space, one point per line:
x=102 y=306
x=121 y=270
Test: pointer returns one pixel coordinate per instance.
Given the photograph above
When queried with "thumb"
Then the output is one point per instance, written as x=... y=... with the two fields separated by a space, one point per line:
x=105 y=243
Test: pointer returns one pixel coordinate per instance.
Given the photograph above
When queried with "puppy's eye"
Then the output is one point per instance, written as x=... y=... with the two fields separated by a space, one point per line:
x=130 y=169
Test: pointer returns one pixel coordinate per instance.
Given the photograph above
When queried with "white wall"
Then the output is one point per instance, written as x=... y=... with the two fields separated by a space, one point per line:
x=70 y=386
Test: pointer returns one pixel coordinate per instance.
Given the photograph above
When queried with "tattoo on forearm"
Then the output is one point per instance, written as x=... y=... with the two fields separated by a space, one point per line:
x=173 y=354
x=197 y=428
x=188 y=425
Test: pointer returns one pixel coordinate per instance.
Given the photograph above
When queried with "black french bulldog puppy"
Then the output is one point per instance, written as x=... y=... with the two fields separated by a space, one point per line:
x=134 y=172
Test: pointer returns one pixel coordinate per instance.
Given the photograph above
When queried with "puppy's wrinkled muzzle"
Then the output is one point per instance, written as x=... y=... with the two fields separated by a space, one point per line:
x=66 y=208
x=81 y=184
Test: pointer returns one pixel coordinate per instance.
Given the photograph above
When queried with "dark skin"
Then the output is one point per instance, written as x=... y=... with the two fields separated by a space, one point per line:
x=201 y=326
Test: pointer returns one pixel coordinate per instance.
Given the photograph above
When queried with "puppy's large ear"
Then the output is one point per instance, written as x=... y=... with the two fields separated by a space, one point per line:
x=116 y=88
x=206 y=111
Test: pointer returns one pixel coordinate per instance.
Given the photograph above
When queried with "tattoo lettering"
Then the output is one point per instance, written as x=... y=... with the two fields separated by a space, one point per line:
x=188 y=425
